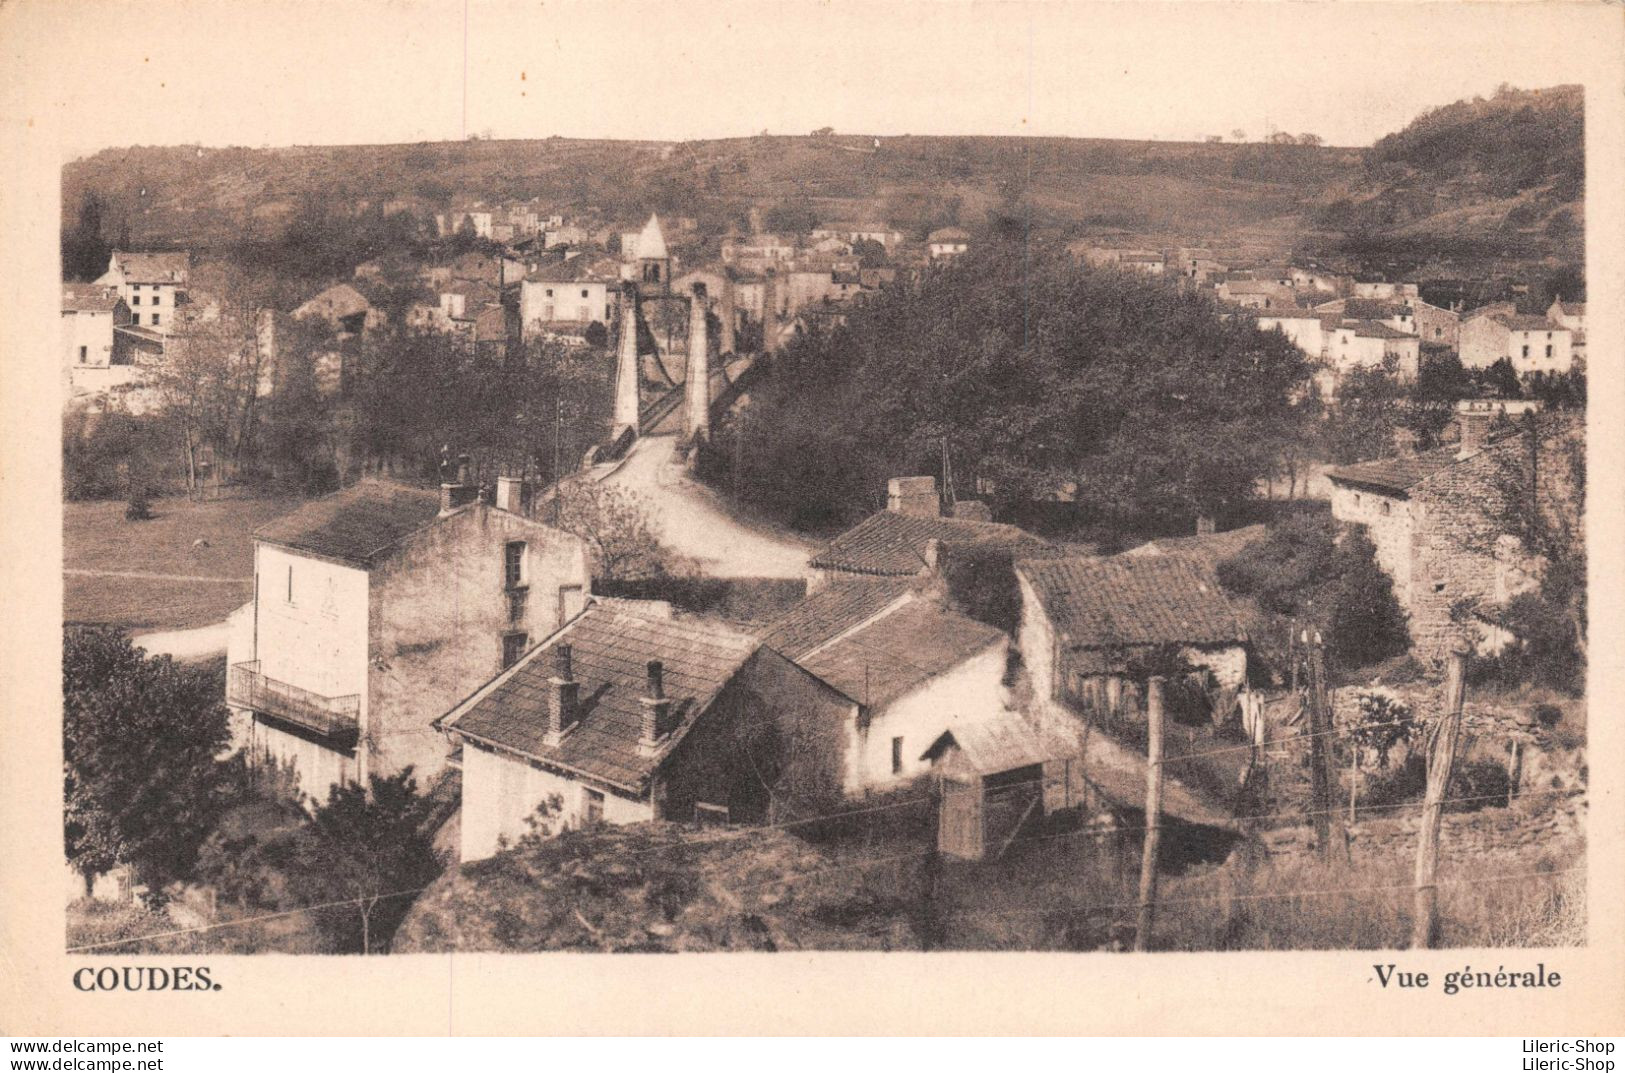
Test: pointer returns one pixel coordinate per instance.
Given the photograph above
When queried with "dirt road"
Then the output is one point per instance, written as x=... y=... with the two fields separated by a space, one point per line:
x=695 y=522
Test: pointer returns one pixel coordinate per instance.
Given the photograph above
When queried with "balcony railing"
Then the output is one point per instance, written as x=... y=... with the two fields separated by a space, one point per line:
x=335 y=718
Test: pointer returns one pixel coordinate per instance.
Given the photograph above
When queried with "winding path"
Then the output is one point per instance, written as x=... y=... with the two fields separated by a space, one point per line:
x=695 y=522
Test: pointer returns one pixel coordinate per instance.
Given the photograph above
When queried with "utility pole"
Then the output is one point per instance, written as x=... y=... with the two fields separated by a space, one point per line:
x=1441 y=759
x=1153 y=814
x=558 y=454
x=1328 y=822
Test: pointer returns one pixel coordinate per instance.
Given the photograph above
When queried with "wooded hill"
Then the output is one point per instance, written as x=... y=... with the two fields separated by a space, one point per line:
x=1467 y=185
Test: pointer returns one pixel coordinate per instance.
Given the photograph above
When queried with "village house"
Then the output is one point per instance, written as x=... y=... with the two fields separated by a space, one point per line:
x=888 y=237
x=89 y=315
x=1258 y=294
x=1091 y=628
x=906 y=538
x=376 y=609
x=1367 y=344
x=575 y=292
x=1439 y=519
x=152 y=285
x=342 y=308
x=946 y=243
x=1533 y=344
x=1304 y=328
x=1571 y=315
x=1377 y=287
x=630 y=713
x=1319 y=280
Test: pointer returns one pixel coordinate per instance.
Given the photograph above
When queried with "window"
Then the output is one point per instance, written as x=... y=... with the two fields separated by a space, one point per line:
x=135 y=318
x=155 y=298
x=550 y=292
x=513 y=564
x=135 y=299
x=1526 y=350
x=592 y=806
x=155 y=319
x=1438 y=586
x=84 y=353
x=1386 y=506
x=1548 y=350
x=583 y=292
x=897 y=756
x=513 y=646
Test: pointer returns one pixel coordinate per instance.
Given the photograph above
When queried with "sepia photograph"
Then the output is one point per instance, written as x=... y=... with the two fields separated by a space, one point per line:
x=894 y=478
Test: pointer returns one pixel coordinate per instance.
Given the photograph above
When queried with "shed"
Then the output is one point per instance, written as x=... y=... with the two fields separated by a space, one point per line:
x=994 y=774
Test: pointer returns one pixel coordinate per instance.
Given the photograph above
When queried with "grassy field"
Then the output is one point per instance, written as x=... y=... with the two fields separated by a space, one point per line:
x=105 y=559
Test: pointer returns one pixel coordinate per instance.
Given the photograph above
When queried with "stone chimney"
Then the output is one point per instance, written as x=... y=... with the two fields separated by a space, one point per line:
x=1473 y=428
x=627 y=373
x=916 y=496
x=656 y=709
x=563 y=696
x=1205 y=525
x=973 y=510
x=697 y=390
x=1405 y=442
x=513 y=495
x=458 y=493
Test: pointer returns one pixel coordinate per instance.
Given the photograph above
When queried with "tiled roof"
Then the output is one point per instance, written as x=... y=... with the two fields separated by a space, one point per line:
x=1210 y=549
x=899 y=651
x=1520 y=322
x=359 y=524
x=1373 y=308
x=610 y=648
x=578 y=270
x=831 y=611
x=893 y=544
x=153 y=267
x=1376 y=329
x=1395 y=474
x=339 y=300
x=88 y=298
x=1133 y=600
x=1001 y=741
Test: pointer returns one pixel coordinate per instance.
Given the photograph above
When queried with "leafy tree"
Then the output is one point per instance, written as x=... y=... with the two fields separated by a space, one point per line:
x=142 y=741
x=369 y=847
x=870 y=254
x=1361 y=424
x=1366 y=623
x=1309 y=571
x=85 y=252
x=617 y=526
x=1500 y=380
x=1042 y=375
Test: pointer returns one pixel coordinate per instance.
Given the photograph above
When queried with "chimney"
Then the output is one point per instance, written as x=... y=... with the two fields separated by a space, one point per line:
x=656 y=709
x=915 y=496
x=1205 y=525
x=458 y=493
x=513 y=495
x=973 y=509
x=1474 y=428
x=563 y=696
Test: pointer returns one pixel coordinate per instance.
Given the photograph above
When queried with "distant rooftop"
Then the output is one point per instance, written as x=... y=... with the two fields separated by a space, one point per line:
x=359 y=525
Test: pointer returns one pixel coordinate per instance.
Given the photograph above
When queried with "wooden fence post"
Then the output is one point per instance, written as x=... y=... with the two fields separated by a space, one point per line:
x=1329 y=832
x=1153 y=814
x=1441 y=759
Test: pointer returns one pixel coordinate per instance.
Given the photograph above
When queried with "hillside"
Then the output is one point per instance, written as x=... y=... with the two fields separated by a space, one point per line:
x=1498 y=181
x=206 y=197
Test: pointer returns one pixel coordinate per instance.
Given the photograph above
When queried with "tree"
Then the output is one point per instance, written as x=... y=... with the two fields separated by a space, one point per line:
x=1366 y=623
x=1310 y=139
x=1044 y=375
x=142 y=740
x=616 y=525
x=870 y=254
x=85 y=251
x=1238 y=135
x=1361 y=423
x=368 y=847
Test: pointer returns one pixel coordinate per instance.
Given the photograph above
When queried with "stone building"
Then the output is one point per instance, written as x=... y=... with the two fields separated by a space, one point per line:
x=1533 y=344
x=375 y=609
x=904 y=540
x=1440 y=519
x=1089 y=624
x=153 y=285
x=631 y=714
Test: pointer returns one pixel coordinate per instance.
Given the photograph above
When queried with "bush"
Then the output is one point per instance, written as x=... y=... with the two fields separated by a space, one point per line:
x=1478 y=784
x=139 y=508
x=1548 y=715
